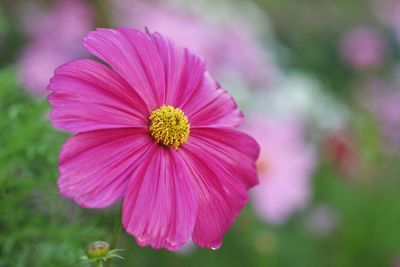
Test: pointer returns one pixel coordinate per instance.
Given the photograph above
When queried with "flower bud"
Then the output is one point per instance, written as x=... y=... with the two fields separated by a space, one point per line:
x=97 y=249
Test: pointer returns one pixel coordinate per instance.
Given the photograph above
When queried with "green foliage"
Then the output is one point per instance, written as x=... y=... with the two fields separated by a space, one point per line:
x=38 y=228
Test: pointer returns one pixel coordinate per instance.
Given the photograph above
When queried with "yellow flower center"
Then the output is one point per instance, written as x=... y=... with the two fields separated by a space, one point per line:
x=169 y=126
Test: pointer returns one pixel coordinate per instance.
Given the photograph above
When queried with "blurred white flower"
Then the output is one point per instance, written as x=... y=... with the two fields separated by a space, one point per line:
x=300 y=97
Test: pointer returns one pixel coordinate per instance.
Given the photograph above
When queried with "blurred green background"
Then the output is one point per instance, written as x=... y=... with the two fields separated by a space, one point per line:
x=359 y=204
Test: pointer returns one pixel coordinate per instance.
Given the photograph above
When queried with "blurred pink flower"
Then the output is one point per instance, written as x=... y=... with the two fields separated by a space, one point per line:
x=55 y=35
x=285 y=169
x=382 y=101
x=155 y=129
x=363 y=48
x=321 y=220
x=231 y=50
x=396 y=262
x=388 y=12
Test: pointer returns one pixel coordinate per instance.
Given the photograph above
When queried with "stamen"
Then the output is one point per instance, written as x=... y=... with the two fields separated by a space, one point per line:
x=169 y=126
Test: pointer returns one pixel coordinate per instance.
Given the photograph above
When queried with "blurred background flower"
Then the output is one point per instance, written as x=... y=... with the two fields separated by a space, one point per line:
x=285 y=168
x=233 y=49
x=382 y=100
x=53 y=33
x=321 y=220
x=363 y=48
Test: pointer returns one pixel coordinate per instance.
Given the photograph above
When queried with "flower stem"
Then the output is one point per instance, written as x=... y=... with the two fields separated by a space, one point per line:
x=117 y=230
x=116 y=234
x=100 y=263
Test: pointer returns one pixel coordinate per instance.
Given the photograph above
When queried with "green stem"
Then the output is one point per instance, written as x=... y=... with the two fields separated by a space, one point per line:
x=100 y=263
x=116 y=235
x=117 y=230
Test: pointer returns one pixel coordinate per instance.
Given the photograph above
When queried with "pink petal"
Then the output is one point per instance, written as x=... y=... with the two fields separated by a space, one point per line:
x=162 y=72
x=134 y=56
x=211 y=106
x=184 y=71
x=191 y=88
x=95 y=167
x=222 y=162
x=87 y=95
x=160 y=205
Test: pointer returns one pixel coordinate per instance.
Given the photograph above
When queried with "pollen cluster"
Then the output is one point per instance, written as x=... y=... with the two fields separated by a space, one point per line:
x=169 y=126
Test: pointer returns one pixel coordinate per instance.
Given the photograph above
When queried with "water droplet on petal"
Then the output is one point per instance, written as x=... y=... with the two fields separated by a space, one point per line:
x=216 y=246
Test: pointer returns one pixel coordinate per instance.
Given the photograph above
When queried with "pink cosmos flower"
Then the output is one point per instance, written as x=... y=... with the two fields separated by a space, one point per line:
x=285 y=169
x=154 y=129
x=363 y=48
x=53 y=34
